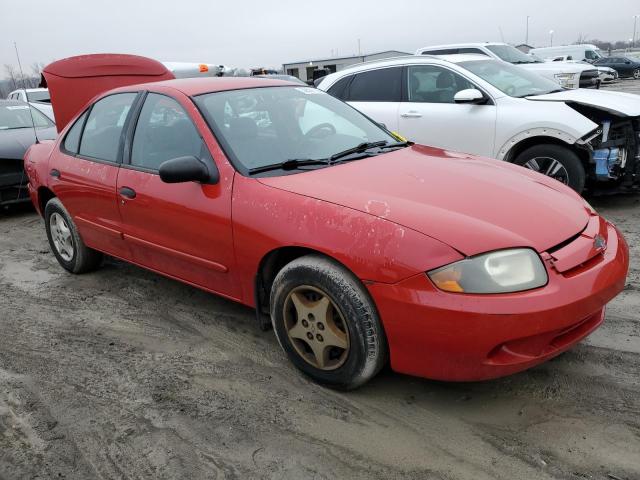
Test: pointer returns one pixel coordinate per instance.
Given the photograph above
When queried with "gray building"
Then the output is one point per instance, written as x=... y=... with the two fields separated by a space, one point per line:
x=304 y=70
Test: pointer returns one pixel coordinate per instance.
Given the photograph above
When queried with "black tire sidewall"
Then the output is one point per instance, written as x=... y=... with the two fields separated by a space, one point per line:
x=367 y=351
x=84 y=259
x=569 y=160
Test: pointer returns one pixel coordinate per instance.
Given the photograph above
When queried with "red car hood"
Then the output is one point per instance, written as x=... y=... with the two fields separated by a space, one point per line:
x=474 y=205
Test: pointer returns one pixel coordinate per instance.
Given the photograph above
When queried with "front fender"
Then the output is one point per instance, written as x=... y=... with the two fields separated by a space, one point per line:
x=374 y=249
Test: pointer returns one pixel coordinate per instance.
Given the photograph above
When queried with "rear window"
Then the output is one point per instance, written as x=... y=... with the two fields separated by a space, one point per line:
x=383 y=85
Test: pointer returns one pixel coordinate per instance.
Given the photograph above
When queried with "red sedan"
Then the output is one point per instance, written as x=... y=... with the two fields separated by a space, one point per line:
x=360 y=248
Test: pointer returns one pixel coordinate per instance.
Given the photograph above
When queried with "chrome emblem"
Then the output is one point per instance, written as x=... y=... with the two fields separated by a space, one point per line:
x=599 y=243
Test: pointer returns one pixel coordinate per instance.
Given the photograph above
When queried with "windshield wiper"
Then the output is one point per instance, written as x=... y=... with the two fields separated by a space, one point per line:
x=290 y=164
x=397 y=145
x=361 y=148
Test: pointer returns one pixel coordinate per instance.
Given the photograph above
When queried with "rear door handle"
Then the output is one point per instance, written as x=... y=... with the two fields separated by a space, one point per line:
x=127 y=192
x=55 y=173
x=411 y=115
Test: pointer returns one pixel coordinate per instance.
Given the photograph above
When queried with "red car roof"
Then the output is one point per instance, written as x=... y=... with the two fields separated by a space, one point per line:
x=197 y=86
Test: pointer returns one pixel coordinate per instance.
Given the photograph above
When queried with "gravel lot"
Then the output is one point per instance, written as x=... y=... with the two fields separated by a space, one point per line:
x=125 y=374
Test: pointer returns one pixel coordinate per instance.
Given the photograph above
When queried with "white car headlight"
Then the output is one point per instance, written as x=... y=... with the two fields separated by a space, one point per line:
x=502 y=271
x=565 y=79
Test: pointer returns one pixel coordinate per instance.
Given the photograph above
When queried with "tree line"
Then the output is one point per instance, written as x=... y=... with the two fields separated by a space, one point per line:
x=14 y=79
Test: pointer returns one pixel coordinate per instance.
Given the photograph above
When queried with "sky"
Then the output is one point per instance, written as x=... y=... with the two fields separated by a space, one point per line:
x=256 y=33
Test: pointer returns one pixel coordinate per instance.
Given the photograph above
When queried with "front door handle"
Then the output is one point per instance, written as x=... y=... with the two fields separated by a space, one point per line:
x=411 y=115
x=127 y=192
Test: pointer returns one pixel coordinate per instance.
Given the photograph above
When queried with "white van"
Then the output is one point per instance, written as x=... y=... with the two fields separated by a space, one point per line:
x=579 y=53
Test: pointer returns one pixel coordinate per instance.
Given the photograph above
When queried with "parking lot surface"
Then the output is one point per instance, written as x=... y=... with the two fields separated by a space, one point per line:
x=122 y=373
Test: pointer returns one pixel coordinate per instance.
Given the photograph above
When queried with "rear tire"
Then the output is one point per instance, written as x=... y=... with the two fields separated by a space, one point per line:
x=326 y=322
x=555 y=161
x=636 y=74
x=65 y=241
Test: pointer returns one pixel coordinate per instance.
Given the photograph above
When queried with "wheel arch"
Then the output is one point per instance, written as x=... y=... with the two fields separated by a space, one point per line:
x=44 y=195
x=269 y=266
x=520 y=143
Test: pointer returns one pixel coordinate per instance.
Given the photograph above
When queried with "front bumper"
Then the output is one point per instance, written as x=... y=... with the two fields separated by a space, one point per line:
x=460 y=337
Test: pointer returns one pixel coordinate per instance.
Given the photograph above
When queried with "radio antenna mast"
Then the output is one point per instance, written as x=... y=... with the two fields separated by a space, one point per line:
x=24 y=86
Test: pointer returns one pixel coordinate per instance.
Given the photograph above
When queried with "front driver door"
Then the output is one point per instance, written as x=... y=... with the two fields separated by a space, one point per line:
x=184 y=229
x=428 y=114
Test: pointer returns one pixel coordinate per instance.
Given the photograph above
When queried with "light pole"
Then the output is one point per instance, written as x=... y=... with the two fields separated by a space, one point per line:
x=526 y=38
x=551 y=33
x=635 y=22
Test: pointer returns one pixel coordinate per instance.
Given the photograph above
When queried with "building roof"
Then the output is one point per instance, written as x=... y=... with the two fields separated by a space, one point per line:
x=364 y=55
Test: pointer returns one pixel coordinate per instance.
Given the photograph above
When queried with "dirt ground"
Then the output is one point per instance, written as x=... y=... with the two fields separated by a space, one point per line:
x=125 y=374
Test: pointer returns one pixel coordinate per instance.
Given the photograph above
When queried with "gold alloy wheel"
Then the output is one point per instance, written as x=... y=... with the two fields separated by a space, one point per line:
x=316 y=328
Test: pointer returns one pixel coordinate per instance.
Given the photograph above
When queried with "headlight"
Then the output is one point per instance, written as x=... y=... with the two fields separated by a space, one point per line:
x=565 y=79
x=503 y=271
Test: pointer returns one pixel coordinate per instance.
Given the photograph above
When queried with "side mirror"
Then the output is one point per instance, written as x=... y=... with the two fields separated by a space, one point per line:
x=187 y=169
x=470 y=95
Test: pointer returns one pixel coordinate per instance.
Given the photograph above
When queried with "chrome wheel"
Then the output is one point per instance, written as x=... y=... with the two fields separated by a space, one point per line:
x=549 y=167
x=61 y=236
x=636 y=74
x=316 y=328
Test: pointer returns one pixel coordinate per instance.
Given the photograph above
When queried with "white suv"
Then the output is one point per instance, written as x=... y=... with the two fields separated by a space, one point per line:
x=569 y=75
x=478 y=105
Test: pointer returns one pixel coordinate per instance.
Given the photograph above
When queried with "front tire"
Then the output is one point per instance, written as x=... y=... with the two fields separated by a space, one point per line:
x=65 y=241
x=636 y=74
x=555 y=161
x=326 y=322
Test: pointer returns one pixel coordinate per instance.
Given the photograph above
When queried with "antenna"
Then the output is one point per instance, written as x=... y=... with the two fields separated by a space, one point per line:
x=501 y=34
x=24 y=85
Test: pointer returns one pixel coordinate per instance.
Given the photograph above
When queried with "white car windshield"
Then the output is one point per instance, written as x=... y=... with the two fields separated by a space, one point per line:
x=261 y=127
x=512 y=55
x=509 y=79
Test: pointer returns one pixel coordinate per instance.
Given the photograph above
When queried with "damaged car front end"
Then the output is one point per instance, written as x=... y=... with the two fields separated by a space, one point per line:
x=613 y=149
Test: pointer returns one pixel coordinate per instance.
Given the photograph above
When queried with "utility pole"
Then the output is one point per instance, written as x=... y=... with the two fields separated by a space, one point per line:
x=635 y=22
x=526 y=38
x=551 y=33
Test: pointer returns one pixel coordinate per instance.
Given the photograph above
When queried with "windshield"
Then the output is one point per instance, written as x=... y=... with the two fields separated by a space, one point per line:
x=509 y=79
x=17 y=116
x=265 y=126
x=41 y=96
x=511 y=54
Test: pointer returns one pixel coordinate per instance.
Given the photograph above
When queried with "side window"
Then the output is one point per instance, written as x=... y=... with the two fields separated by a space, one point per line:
x=444 y=51
x=472 y=50
x=381 y=85
x=164 y=131
x=433 y=84
x=591 y=55
x=339 y=89
x=72 y=140
x=101 y=136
